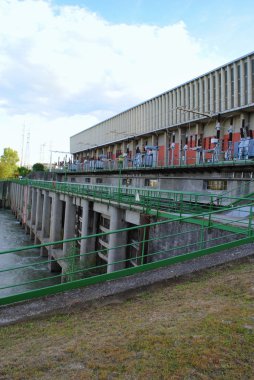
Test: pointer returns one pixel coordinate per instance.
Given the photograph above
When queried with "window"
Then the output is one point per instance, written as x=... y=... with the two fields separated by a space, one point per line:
x=151 y=182
x=127 y=181
x=216 y=185
x=98 y=180
x=118 y=153
x=87 y=180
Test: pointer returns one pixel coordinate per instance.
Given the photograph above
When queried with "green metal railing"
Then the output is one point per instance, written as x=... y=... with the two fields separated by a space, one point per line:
x=162 y=243
x=143 y=199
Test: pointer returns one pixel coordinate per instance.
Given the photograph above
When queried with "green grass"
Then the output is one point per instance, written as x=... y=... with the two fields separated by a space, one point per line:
x=200 y=327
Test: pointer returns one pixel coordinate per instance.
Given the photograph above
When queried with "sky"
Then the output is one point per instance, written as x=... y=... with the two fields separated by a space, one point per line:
x=66 y=65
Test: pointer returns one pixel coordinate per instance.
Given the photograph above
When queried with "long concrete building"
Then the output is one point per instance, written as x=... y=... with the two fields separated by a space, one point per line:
x=207 y=119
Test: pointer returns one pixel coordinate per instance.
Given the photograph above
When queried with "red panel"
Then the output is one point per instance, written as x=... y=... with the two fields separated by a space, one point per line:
x=161 y=155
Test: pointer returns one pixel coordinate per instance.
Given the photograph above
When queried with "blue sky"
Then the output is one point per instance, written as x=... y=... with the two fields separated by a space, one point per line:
x=66 y=64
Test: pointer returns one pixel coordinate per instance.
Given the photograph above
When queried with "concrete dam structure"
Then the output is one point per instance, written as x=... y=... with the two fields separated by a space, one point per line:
x=92 y=233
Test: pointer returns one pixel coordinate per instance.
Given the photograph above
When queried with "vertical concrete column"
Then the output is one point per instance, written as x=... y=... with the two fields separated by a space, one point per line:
x=200 y=106
x=28 y=208
x=166 y=110
x=191 y=98
x=178 y=112
x=235 y=86
x=159 y=112
x=45 y=225
x=89 y=217
x=25 y=201
x=170 y=112
x=212 y=105
x=223 y=95
x=84 y=232
x=242 y=81
x=217 y=100
x=33 y=210
x=56 y=218
x=13 y=197
x=69 y=224
x=250 y=84
x=174 y=107
x=116 y=254
x=229 y=105
x=182 y=114
x=45 y=228
x=17 y=199
x=34 y=203
x=206 y=94
x=197 y=98
x=163 y=113
x=151 y=114
x=153 y=106
x=141 y=121
x=38 y=219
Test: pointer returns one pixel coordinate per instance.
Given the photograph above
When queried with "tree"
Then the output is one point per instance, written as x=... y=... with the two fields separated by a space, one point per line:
x=23 y=171
x=38 y=167
x=8 y=163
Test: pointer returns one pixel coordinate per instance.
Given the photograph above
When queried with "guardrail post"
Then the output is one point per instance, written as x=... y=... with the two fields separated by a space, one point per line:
x=250 y=221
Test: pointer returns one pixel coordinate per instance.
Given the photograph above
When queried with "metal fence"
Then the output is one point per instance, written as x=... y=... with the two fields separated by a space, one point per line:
x=147 y=247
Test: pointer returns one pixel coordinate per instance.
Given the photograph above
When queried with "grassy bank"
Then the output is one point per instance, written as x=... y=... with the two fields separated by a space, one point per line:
x=201 y=327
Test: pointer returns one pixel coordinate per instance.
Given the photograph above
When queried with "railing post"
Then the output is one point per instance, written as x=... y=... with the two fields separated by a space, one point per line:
x=250 y=221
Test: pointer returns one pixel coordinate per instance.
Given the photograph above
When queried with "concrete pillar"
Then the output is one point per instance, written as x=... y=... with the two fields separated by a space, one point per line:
x=159 y=113
x=217 y=95
x=223 y=95
x=174 y=106
x=56 y=218
x=235 y=86
x=206 y=109
x=242 y=87
x=89 y=227
x=250 y=84
x=229 y=105
x=115 y=240
x=200 y=96
x=191 y=99
x=197 y=105
x=45 y=226
x=212 y=106
x=45 y=229
x=163 y=111
x=170 y=111
x=38 y=219
x=33 y=209
x=55 y=230
x=166 y=110
x=69 y=225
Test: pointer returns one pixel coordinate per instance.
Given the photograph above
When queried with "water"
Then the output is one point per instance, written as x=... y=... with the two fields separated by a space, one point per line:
x=12 y=236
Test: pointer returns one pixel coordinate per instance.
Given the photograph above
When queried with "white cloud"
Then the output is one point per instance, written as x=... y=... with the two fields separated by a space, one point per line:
x=63 y=69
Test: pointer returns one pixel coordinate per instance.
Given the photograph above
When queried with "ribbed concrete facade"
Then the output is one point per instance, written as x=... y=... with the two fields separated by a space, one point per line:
x=227 y=90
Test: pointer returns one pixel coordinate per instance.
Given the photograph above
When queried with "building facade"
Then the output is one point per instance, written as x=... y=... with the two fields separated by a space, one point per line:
x=207 y=119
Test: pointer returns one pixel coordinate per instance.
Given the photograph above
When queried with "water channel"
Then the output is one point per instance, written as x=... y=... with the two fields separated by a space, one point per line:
x=12 y=236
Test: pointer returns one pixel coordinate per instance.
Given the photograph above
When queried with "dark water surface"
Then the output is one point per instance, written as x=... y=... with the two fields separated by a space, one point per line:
x=12 y=236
